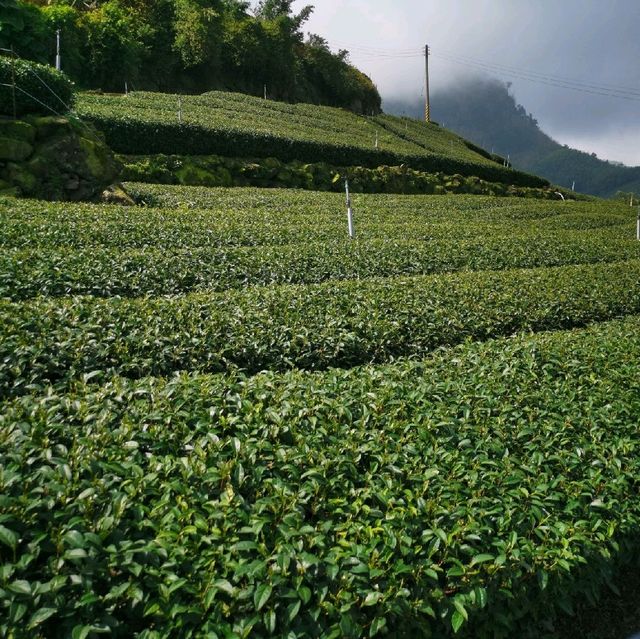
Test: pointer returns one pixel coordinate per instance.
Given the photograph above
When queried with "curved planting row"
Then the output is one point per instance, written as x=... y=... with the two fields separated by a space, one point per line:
x=477 y=493
x=107 y=271
x=202 y=217
x=341 y=324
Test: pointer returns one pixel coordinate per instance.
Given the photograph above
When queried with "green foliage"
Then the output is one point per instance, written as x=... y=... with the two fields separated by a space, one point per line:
x=23 y=29
x=38 y=88
x=186 y=45
x=469 y=487
x=214 y=170
x=163 y=251
x=334 y=324
x=239 y=125
x=417 y=498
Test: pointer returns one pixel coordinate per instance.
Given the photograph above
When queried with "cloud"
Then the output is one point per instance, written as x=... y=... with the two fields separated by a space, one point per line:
x=589 y=42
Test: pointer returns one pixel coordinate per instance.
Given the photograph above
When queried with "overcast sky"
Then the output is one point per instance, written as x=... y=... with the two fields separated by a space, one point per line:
x=586 y=42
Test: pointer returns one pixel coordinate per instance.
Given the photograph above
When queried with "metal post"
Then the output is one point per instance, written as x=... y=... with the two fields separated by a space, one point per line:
x=349 y=211
x=573 y=185
x=58 y=65
x=427 y=106
x=376 y=139
x=265 y=91
x=179 y=110
x=126 y=88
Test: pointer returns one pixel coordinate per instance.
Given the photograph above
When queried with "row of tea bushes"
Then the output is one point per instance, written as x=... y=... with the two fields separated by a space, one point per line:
x=335 y=324
x=131 y=272
x=480 y=493
x=181 y=217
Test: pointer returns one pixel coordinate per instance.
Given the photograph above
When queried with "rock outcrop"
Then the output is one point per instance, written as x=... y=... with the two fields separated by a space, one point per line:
x=54 y=158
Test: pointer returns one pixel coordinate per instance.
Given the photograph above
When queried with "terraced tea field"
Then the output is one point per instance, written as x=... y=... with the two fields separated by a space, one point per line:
x=223 y=418
x=237 y=125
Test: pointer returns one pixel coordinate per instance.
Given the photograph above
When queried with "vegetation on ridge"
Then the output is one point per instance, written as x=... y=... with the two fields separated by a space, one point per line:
x=188 y=46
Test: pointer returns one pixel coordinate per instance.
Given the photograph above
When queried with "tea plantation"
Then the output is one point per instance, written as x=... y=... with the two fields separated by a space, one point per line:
x=238 y=125
x=222 y=418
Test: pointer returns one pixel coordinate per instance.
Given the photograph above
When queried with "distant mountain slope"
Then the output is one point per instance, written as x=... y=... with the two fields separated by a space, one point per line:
x=483 y=111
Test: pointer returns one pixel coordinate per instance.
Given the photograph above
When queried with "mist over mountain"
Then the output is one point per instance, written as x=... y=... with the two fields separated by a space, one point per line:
x=484 y=111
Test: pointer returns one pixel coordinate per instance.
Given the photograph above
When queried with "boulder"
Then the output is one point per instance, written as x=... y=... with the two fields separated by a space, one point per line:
x=55 y=158
x=14 y=150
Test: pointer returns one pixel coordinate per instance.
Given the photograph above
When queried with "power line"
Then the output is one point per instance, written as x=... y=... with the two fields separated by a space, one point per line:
x=533 y=76
x=605 y=90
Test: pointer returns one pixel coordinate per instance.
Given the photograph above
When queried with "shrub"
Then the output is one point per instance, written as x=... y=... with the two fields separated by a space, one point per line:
x=39 y=88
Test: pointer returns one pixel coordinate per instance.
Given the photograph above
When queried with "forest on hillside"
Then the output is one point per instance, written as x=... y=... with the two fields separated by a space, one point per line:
x=484 y=110
x=188 y=46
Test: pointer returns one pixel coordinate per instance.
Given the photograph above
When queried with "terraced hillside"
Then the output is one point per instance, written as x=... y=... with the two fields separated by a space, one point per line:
x=220 y=417
x=237 y=125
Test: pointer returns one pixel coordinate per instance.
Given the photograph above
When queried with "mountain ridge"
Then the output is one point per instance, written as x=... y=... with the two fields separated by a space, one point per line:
x=484 y=111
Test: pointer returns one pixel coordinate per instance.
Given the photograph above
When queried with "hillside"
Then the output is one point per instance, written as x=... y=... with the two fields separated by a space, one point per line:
x=484 y=111
x=236 y=125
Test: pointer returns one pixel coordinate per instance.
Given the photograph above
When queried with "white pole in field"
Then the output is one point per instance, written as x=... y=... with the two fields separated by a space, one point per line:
x=58 y=65
x=126 y=88
x=376 y=139
x=573 y=186
x=179 y=109
x=349 y=211
x=265 y=91
x=638 y=225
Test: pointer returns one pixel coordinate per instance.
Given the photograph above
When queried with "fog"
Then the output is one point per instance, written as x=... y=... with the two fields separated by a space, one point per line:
x=589 y=47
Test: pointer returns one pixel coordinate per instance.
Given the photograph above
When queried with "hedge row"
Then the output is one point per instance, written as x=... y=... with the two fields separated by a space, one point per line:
x=108 y=271
x=340 y=324
x=143 y=124
x=413 y=500
x=38 y=88
x=204 y=217
x=139 y=137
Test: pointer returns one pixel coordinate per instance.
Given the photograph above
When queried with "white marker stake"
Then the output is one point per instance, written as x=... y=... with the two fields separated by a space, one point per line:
x=376 y=139
x=58 y=65
x=349 y=211
x=180 y=110
x=573 y=186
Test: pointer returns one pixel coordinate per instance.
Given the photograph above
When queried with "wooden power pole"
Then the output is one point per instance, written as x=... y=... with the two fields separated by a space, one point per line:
x=427 y=106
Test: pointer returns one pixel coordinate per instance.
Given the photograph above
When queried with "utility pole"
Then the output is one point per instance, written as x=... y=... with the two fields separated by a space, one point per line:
x=58 y=49
x=427 y=106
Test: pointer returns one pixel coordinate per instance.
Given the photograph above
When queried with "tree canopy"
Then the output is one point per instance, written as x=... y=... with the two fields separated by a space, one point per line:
x=188 y=46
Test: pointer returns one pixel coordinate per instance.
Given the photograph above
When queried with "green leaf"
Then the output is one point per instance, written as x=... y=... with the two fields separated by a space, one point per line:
x=40 y=615
x=481 y=596
x=456 y=621
x=8 y=537
x=292 y=611
x=482 y=558
x=261 y=595
x=224 y=585
x=372 y=598
x=459 y=606
x=269 y=619
x=80 y=632
x=20 y=587
x=377 y=625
